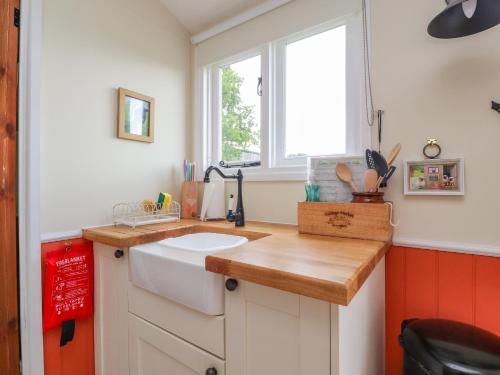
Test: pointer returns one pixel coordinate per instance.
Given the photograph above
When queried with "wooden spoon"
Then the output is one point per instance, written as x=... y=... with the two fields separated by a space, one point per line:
x=371 y=180
x=344 y=173
x=394 y=154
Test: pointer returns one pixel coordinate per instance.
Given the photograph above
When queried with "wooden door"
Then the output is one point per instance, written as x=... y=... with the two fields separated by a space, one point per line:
x=9 y=315
x=271 y=332
x=154 y=351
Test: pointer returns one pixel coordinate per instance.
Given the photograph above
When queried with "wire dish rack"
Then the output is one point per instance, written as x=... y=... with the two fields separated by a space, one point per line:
x=146 y=212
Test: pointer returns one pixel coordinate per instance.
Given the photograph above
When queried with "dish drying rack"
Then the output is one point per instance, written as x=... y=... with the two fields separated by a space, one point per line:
x=142 y=213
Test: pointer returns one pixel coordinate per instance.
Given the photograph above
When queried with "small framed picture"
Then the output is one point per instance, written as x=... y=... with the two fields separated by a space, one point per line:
x=435 y=177
x=135 y=116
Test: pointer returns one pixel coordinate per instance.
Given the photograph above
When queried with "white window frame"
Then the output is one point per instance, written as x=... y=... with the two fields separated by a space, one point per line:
x=274 y=165
x=214 y=96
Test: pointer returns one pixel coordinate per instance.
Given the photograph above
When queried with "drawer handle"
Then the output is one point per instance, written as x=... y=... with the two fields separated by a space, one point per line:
x=119 y=253
x=231 y=284
x=211 y=371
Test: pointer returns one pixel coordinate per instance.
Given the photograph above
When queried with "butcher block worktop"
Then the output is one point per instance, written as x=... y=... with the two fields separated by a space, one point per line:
x=332 y=269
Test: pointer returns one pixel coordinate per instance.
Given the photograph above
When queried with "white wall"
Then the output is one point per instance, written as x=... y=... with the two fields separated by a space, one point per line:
x=440 y=89
x=428 y=88
x=90 y=48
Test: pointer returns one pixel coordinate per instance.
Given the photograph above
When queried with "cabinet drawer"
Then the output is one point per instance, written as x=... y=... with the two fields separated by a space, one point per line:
x=153 y=351
x=204 y=331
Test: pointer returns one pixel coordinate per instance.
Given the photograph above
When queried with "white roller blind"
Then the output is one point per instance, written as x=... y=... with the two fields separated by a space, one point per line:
x=288 y=19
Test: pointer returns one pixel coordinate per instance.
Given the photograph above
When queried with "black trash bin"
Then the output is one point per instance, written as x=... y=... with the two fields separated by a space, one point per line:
x=444 y=347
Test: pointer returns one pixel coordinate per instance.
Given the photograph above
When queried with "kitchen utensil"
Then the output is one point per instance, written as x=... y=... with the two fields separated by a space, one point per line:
x=387 y=176
x=193 y=170
x=344 y=173
x=394 y=154
x=380 y=163
x=380 y=113
x=369 y=159
x=371 y=180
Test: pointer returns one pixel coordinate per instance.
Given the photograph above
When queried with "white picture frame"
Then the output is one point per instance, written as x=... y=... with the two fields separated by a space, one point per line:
x=434 y=177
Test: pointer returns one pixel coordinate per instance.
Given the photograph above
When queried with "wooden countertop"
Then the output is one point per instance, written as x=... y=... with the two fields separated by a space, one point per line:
x=327 y=268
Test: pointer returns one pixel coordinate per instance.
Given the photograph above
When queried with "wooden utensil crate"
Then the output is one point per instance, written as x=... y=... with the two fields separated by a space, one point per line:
x=368 y=221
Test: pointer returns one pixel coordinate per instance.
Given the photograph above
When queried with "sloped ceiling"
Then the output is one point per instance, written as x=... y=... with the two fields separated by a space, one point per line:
x=199 y=15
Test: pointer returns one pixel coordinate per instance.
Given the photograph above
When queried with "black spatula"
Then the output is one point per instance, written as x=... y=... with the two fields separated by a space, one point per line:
x=380 y=163
x=369 y=159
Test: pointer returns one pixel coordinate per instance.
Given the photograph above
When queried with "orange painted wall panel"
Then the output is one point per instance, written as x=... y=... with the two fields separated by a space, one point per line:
x=455 y=288
x=488 y=294
x=395 y=307
x=420 y=283
x=434 y=284
x=77 y=357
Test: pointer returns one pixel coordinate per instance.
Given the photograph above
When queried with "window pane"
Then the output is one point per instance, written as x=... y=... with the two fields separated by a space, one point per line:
x=241 y=110
x=316 y=95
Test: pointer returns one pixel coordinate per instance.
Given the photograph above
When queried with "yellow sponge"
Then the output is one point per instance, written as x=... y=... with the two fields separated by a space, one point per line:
x=164 y=200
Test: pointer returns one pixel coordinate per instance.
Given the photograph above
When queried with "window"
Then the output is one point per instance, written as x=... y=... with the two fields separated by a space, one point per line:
x=289 y=99
x=240 y=110
x=315 y=95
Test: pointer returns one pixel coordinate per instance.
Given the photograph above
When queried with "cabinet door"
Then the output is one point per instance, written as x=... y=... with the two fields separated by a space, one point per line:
x=110 y=329
x=271 y=332
x=154 y=351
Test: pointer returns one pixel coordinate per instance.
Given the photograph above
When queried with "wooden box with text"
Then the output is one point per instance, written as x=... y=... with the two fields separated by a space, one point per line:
x=367 y=221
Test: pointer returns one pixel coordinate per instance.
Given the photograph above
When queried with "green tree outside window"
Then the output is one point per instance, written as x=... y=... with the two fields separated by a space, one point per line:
x=239 y=128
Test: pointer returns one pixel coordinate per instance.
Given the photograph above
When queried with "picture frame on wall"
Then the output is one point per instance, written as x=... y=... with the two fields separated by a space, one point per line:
x=135 y=116
x=434 y=177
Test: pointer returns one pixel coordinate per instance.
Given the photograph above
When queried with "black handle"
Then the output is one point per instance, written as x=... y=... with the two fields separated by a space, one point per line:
x=119 y=253
x=211 y=371
x=231 y=284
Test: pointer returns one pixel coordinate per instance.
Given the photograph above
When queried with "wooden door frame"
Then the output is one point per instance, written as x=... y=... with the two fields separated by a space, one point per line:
x=9 y=310
x=29 y=188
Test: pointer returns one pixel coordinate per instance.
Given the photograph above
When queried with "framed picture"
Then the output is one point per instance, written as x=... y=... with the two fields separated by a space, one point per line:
x=135 y=116
x=435 y=177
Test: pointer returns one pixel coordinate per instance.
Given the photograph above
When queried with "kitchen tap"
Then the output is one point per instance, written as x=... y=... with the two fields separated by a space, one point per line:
x=239 y=215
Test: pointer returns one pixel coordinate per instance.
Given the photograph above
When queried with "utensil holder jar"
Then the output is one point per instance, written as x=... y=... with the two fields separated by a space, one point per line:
x=377 y=197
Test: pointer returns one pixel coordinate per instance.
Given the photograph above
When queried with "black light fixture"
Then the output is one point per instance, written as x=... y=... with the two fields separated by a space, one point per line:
x=465 y=17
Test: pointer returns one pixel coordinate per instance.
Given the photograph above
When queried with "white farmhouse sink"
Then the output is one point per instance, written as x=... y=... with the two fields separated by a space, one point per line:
x=175 y=269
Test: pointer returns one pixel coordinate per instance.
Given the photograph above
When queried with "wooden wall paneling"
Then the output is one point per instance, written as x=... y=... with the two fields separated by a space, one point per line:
x=9 y=315
x=421 y=280
x=395 y=307
x=431 y=284
x=455 y=287
x=487 y=290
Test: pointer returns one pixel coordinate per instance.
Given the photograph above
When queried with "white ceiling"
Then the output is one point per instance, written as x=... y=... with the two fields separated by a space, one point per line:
x=199 y=15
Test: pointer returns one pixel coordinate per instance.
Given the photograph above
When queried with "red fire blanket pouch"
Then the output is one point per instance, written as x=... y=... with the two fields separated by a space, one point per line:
x=69 y=286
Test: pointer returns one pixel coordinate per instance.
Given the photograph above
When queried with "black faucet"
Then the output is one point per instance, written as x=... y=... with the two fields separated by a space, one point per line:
x=239 y=216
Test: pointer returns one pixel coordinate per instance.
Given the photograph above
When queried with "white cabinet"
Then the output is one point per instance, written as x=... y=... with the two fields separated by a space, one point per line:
x=203 y=331
x=111 y=310
x=271 y=332
x=154 y=351
x=265 y=331
x=358 y=330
